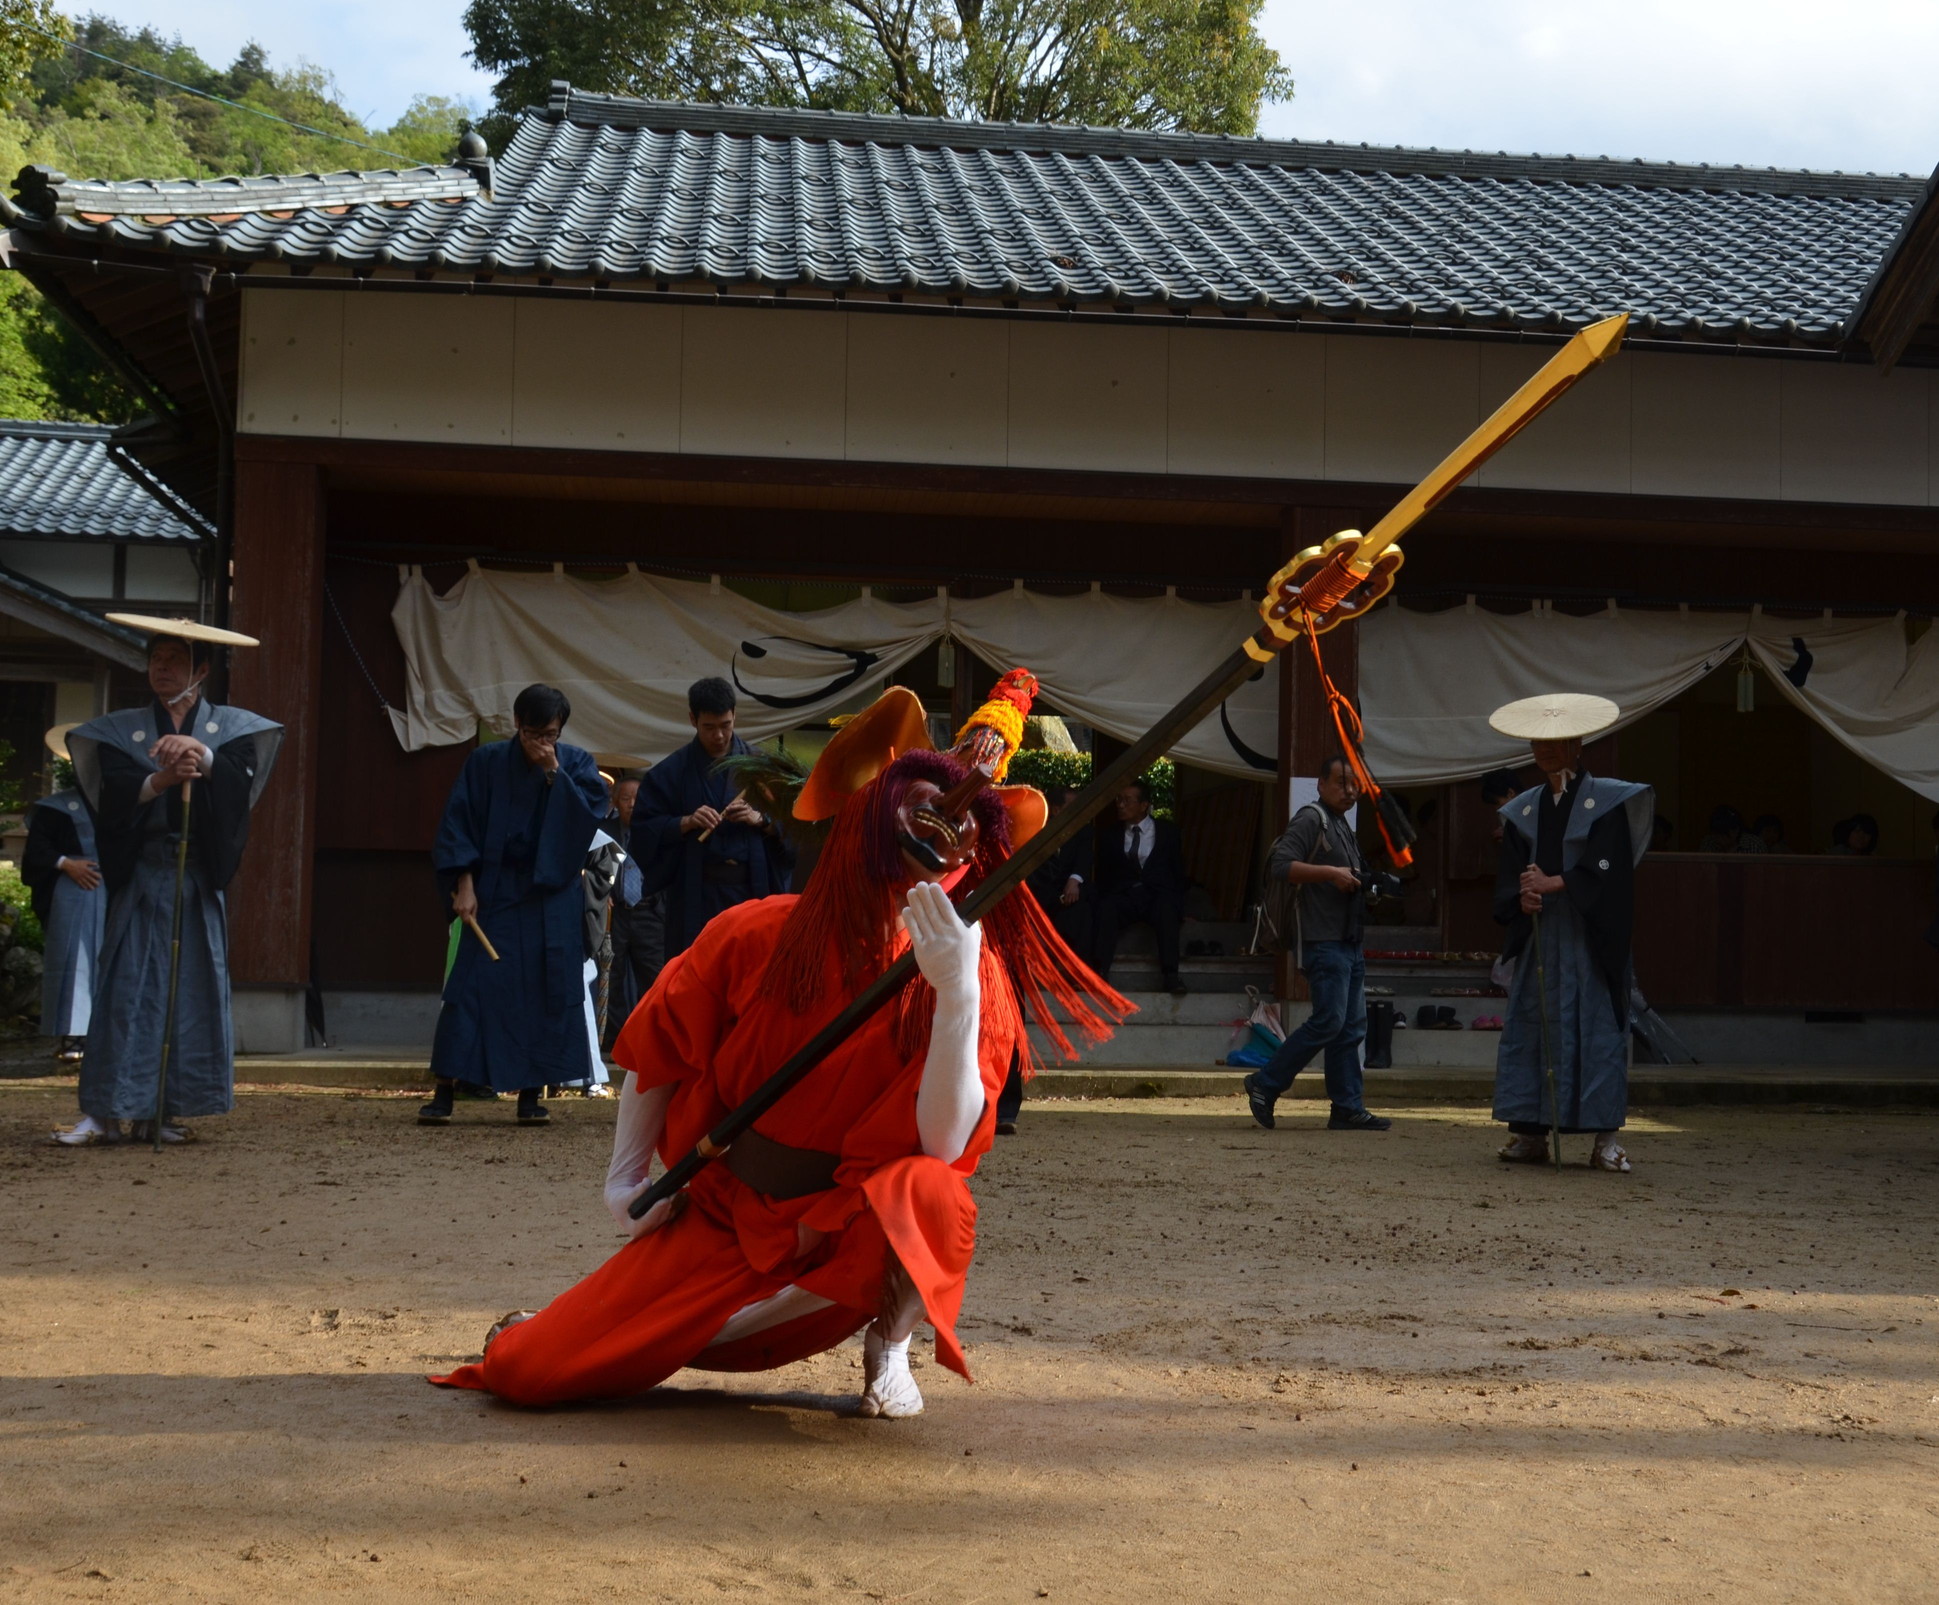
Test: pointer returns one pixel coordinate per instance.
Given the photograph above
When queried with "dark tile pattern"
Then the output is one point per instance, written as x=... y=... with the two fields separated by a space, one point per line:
x=627 y=192
x=58 y=480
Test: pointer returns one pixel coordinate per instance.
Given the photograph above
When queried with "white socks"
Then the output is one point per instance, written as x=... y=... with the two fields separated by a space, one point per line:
x=889 y=1390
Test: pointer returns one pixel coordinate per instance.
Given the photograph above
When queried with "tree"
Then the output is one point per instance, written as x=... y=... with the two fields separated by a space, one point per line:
x=24 y=43
x=1157 y=64
x=92 y=118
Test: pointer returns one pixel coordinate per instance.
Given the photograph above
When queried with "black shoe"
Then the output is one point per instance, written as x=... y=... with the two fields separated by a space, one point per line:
x=1258 y=1102
x=1355 y=1120
x=531 y=1112
x=1175 y=984
x=1006 y=1128
x=438 y=1111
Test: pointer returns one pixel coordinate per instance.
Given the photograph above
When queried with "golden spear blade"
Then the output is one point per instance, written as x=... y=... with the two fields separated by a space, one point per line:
x=1588 y=349
x=1343 y=578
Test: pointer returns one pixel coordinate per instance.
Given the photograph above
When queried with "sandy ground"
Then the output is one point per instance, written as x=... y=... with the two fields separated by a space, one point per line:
x=1214 y=1363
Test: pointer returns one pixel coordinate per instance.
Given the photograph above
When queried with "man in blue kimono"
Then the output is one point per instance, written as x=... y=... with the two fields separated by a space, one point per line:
x=1569 y=850
x=133 y=768
x=509 y=855
x=695 y=838
x=63 y=872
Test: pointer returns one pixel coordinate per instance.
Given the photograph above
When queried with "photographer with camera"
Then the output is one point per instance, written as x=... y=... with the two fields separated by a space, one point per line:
x=1318 y=855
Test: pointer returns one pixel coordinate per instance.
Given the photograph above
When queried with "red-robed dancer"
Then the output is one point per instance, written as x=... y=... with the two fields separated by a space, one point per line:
x=848 y=1204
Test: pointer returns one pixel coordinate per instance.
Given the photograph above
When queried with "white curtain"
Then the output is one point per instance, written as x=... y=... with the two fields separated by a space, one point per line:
x=1428 y=681
x=626 y=649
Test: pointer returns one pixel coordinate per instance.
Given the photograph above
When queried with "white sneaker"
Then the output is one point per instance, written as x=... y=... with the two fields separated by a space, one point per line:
x=890 y=1391
x=88 y=1130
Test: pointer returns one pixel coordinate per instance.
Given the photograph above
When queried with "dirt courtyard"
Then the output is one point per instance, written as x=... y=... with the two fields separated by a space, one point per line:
x=1214 y=1363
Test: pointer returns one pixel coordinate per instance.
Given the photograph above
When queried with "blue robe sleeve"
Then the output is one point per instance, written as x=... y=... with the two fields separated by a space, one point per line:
x=459 y=848
x=573 y=815
x=657 y=812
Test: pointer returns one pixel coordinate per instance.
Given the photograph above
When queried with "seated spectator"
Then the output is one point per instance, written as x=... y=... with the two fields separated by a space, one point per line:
x=1769 y=829
x=1662 y=832
x=1727 y=833
x=1856 y=837
x=1140 y=880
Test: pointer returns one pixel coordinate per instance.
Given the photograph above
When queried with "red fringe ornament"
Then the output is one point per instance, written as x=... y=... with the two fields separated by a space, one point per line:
x=844 y=931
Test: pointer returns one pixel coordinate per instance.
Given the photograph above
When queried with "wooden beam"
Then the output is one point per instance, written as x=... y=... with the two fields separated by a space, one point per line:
x=278 y=597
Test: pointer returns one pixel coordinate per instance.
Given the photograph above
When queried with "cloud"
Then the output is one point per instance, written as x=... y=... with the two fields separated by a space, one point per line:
x=382 y=52
x=1781 y=83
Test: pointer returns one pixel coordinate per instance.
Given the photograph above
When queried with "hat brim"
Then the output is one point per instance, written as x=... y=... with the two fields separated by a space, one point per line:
x=56 y=738
x=185 y=629
x=1555 y=716
x=866 y=745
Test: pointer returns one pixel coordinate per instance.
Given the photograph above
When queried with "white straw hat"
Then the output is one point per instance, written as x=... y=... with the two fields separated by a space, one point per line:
x=1556 y=716
x=185 y=629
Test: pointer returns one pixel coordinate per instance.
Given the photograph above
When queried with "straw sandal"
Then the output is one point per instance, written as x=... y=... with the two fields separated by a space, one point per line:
x=1520 y=1150
x=1609 y=1156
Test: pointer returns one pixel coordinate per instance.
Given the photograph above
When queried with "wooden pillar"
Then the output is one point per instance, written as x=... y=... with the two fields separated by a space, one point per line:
x=278 y=597
x=1306 y=733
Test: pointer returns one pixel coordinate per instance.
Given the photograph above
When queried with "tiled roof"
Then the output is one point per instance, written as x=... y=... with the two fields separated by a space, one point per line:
x=59 y=614
x=61 y=480
x=656 y=196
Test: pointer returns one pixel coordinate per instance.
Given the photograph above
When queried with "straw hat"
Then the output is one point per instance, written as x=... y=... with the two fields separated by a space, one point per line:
x=56 y=738
x=1555 y=716
x=185 y=629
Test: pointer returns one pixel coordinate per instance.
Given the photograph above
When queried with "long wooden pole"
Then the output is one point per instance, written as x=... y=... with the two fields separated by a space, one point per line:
x=1197 y=703
x=174 y=963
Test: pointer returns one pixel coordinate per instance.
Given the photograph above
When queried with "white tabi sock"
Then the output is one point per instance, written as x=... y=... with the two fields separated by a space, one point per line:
x=889 y=1391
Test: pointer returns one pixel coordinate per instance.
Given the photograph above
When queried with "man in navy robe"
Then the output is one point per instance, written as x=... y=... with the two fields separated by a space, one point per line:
x=694 y=837
x=1566 y=879
x=509 y=854
x=132 y=769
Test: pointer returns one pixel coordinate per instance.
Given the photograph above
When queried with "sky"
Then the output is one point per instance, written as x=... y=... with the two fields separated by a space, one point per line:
x=1785 y=83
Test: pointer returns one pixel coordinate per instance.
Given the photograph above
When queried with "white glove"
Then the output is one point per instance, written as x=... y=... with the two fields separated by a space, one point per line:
x=950 y=1100
x=947 y=950
x=636 y=1133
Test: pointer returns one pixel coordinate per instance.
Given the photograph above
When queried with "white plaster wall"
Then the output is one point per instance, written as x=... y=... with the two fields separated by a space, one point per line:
x=872 y=387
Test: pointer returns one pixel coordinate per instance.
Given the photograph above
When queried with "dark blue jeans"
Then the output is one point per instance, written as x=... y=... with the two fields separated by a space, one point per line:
x=1336 y=974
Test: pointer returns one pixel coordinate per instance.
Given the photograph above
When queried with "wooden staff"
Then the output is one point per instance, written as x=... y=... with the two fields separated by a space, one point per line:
x=1313 y=586
x=484 y=941
x=738 y=796
x=174 y=962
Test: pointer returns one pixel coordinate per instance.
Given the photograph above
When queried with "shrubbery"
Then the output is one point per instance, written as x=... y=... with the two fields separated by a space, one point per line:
x=1046 y=770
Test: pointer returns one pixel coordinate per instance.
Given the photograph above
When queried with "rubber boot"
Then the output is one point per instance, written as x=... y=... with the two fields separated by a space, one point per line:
x=1380 y=1035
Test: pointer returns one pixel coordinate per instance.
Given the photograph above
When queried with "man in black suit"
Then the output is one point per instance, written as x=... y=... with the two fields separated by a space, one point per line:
x=1140 y=878
x=1062 y=881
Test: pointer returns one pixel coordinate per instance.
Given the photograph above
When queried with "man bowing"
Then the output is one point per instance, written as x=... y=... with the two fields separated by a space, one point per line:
x=509 y=855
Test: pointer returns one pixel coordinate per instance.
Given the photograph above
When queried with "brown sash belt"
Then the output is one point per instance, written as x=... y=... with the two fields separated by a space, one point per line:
x=779 y=1171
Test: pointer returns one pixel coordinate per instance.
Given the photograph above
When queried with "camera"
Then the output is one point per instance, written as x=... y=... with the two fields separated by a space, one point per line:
x=1380 y=883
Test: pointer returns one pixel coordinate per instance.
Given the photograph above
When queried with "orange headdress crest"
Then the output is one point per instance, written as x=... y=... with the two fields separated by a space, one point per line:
x=991 y=736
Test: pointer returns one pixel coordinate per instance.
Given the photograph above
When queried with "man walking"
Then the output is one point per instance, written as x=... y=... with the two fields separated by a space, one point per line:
x=1318 y=854
x=1565 y=889
x=694 y=836
x=1140 y=880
